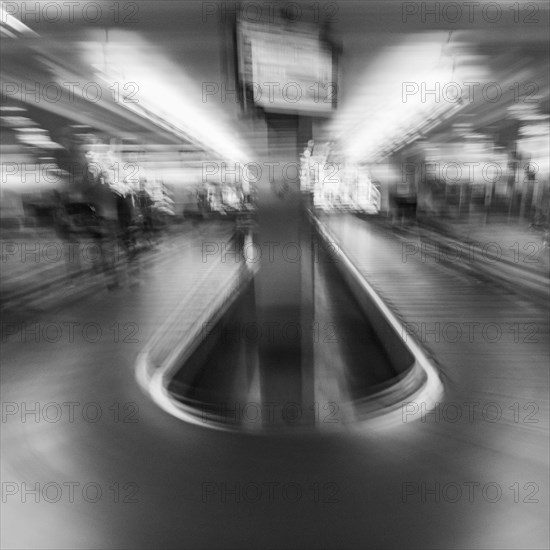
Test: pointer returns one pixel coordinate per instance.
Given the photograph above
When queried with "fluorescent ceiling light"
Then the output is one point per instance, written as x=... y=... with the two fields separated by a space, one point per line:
x=8 y=20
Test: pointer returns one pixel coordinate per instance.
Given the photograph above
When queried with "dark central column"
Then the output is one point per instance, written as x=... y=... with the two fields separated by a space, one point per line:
x=280 y=306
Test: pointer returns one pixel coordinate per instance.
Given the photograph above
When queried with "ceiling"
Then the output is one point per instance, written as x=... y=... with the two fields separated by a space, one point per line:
x=173 y=49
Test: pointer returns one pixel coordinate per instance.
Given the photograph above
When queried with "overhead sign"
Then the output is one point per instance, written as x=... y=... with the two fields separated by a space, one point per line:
x=286 y=69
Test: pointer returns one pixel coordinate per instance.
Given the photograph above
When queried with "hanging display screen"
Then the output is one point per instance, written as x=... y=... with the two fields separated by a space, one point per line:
x=286 y=69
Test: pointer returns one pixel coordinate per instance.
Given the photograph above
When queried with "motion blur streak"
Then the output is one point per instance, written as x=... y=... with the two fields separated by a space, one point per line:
x=274 y=274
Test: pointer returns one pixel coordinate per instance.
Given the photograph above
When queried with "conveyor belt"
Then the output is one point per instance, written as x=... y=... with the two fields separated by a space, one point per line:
x=348 y=360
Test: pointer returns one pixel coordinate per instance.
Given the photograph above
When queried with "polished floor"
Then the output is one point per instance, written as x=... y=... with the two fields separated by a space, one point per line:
x=167 y=484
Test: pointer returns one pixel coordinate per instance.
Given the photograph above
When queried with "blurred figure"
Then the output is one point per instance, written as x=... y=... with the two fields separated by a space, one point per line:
x=202 y=201
x=62 y=221
x=102 y=225
x=403 y=206
x=541 y=221
x=66 y=231
x=144 y=207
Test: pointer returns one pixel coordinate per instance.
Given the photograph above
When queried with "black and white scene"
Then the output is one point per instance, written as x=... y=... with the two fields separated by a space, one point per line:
x=275 y=275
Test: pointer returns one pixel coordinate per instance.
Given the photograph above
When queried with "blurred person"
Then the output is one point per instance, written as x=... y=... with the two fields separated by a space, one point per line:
x=405 y=206
x=70 y=157
x=144 y=207
x=201 y=201
x=125 y=220
x=541 y=215
x=103 y=220
x=67 y=233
